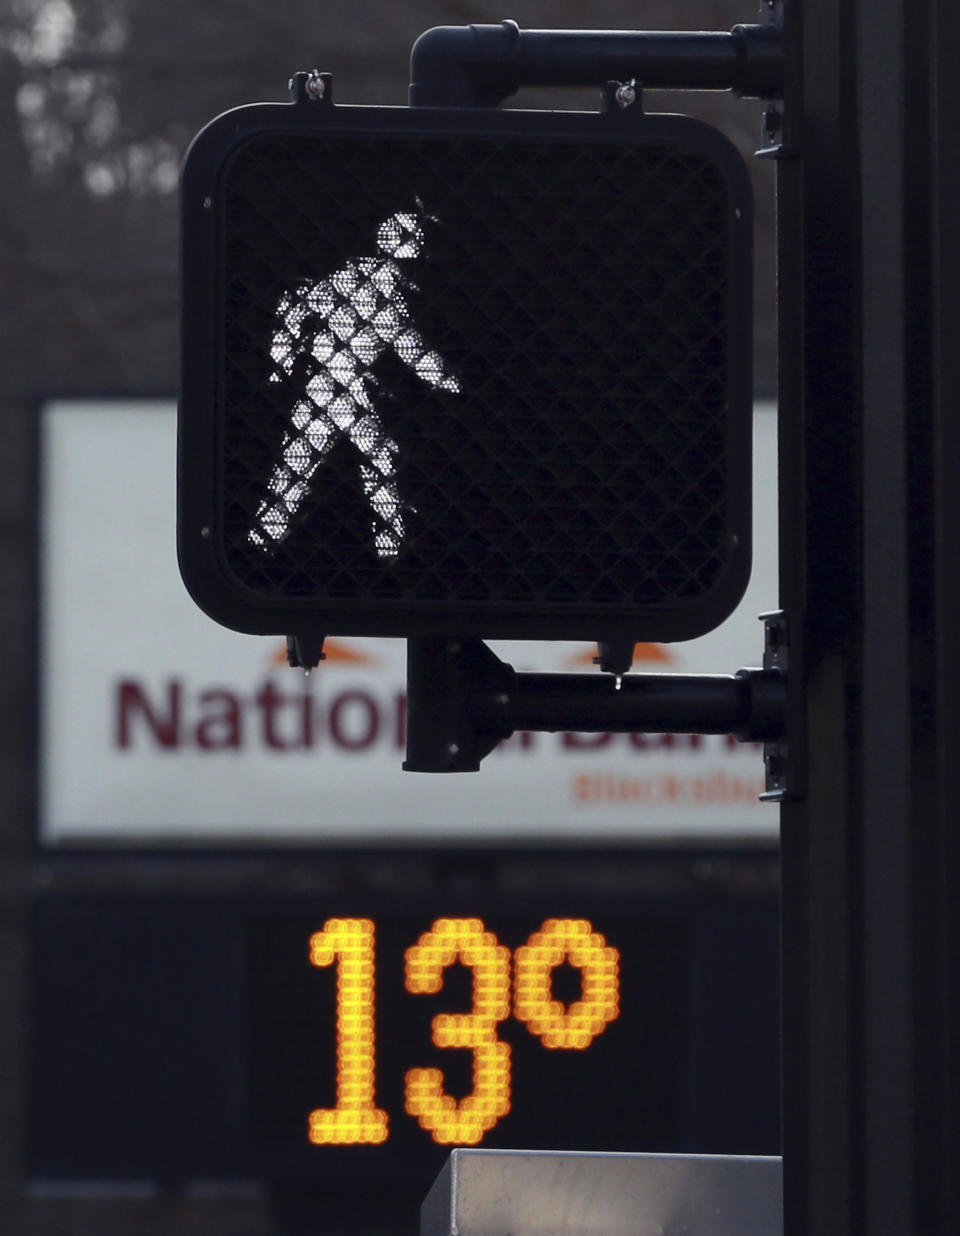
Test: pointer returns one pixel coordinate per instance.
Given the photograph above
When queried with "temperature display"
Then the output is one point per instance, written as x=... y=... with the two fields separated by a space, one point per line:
x=342 y=1043
x=558 y=1031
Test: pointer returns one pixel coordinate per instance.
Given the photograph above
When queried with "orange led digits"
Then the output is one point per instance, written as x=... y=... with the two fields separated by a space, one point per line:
x=449 y=1121
x=573 y=940
x=356 y=1119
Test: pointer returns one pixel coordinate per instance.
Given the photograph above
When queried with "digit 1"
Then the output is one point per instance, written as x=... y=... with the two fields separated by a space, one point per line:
x=445 y=1119
x=573 y=940
x=356 y=1119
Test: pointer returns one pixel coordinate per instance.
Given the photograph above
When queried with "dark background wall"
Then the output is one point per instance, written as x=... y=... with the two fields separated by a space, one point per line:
x=98 y=99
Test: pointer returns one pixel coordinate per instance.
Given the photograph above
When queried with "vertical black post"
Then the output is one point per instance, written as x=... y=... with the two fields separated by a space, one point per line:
x=869 y=265
x=817 y=205
x=939 y=1053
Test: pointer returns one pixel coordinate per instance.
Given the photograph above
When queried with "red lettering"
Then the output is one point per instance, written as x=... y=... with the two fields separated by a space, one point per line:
x=585 y=742
x=400 y=721
x=522 y=741
x=132 y=702
x=269 y=699
x=306 y=711
x=219 y=728
x=733 y=743
x=666 y=742
x=272 y=702
x=365 y=707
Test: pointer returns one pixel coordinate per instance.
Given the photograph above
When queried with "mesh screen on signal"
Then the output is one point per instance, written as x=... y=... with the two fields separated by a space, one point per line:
x=473 y=378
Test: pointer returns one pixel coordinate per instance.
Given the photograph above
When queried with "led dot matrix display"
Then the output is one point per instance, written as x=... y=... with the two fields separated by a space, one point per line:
x=567 y=940
x=498 y=980
x=305 y=1036
x=349 y=943
x=463 y=940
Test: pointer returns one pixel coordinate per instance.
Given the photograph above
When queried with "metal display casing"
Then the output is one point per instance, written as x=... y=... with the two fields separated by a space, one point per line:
x=549 y=438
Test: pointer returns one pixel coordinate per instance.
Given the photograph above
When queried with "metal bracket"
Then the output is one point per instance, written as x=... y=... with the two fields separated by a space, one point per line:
x=781 y=757
x=462 y=700
x=482 y=65
x=777 y=139
x=771 y=135
x=311 y=88
x=615 y=656
x=618 y=96
x=305 y=651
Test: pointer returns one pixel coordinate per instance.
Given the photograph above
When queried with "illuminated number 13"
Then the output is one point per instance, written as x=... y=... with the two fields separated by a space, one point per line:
x=350 y=942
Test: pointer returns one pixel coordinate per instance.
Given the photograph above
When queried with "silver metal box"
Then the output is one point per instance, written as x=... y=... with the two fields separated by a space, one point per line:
x=560 y=1193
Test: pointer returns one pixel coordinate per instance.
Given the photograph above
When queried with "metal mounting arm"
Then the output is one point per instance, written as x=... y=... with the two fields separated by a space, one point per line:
x=462 y=700
x=481 y=65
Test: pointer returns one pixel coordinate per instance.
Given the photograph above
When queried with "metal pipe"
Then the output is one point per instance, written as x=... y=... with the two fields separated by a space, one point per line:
x=653 y=703
x=462 y=700
x=481 y=65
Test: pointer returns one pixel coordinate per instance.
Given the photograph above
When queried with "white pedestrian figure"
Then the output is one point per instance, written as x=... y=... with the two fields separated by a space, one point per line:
x=344 y=322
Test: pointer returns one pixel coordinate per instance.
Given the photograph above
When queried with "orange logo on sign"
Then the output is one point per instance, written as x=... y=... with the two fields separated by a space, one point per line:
x=641 y=652
x=335 y=650
x=340 y=652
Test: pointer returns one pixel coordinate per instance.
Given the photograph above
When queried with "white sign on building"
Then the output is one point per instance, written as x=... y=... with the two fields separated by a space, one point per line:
x=159 y=727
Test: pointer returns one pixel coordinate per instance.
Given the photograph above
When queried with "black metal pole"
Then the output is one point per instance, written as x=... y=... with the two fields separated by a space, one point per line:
x=817 y=224
x=870 y=335
x=481 y=65
x=463 y=700
x=656 y=703
x=939 y=923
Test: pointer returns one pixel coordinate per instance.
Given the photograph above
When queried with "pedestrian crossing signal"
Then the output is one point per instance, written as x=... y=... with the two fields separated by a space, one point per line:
x=465 y=372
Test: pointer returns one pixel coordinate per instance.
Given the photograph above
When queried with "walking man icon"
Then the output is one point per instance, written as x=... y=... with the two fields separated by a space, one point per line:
x=333 y=331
